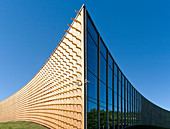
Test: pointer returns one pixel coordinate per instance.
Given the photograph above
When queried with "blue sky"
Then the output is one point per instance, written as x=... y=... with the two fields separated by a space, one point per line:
x=137 y=33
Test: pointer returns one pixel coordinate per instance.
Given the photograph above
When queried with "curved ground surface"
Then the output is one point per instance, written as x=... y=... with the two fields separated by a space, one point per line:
x=21 y=125
x=145 y=127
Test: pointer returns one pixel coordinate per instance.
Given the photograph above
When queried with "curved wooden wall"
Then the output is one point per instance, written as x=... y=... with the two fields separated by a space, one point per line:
x=53 y=98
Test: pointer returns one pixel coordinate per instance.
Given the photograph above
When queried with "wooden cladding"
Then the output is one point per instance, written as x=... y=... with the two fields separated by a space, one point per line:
x=52 y=98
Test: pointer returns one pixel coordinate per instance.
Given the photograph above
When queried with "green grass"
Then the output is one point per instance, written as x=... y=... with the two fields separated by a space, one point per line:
x=20 y=125
x=145 y=127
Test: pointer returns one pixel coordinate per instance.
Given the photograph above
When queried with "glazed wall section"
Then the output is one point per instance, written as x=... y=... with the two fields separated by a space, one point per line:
x=112 y=101
x=53 y=98
x=153 y=115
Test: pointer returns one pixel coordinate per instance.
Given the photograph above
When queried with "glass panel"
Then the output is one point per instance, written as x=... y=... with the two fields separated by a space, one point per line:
x=116 y=69
x=110 y=99
x=92 y=115
x=110 y=107
x=92 y=87
x=110 y=78
x=103 y=49
x=102 y=69
x=102 y=105
x=123 y=88
x=115 y=100
x=92 y=30
x=131 y=106
x=115 y=116
x=102 y=95
x=91 y=55
x=119 y=102
x=119 y=110
x=120 y=74
x=115 y=84
x=120 y=88
x=102 y=118
x=110 y=62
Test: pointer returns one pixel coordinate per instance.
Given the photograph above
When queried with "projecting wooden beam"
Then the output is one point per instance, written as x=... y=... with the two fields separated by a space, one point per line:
x=77 y=12
x=74 y=28
x=76 y=21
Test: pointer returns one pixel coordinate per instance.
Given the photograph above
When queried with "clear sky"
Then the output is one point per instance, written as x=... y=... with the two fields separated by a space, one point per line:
x=137 y=33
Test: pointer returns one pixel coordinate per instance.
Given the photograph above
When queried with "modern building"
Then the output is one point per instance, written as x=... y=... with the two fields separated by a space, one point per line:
x=81 y=87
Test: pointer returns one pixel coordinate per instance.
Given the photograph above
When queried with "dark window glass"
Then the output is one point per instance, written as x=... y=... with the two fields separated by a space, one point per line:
x=129 y=87
x=110 y=62
x=131 y=106
x=92 y=31
x=110 y=98
x=129 y=97
x=123 y=104
x=115 y=99
x=119 y=110
x=91 y=55
x=92 y=115
x=110 y=78
x=120 y=74
x=116 y=69
x=102 y=118
x=102 y=105
x=115 y=115
x=92 y=101
x=129 y=113
x=102 y=69
x=120 y=87
x=92 y=41
x=127 y=90
x=102 y=95
x=115 y=83
x=92 y=87
x=123 y=89
x=119 y=102
x=103 y=49
x=110 y=107
x=126 y=113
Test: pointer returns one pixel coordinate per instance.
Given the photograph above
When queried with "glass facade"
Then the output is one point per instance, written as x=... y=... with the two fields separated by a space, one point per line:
x=112 y=101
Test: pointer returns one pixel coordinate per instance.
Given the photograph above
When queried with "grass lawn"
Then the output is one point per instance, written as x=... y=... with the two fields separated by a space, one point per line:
x=20 y=125
x=145 y=127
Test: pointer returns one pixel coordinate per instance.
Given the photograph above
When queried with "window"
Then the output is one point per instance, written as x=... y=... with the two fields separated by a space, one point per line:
x=92 y=30
x=110 y=98
x=92 y=115
x=102 y=69
x=92 y=52
x=92 y=87
x=116 y=69
x=103 y=49
x=110 y=107
x=92 y=101
x=110 y=62
x=115 y=83
x=102 y=95
x=110 y=78
x=91 y=55
x=102 y=105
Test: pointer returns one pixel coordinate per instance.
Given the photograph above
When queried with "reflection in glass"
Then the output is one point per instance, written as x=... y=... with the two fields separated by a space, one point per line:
x=115 y=69
x=92 y=30
x=110 y=98
x=115 y=83
x=103 y=49
x=92 y=115
x=102 y=95
x=91 y=55
x=110 y=62
x=92 y=87
x=102 y=69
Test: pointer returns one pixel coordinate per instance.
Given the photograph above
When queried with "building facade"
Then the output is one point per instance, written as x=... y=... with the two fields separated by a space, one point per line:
x=81 y=87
